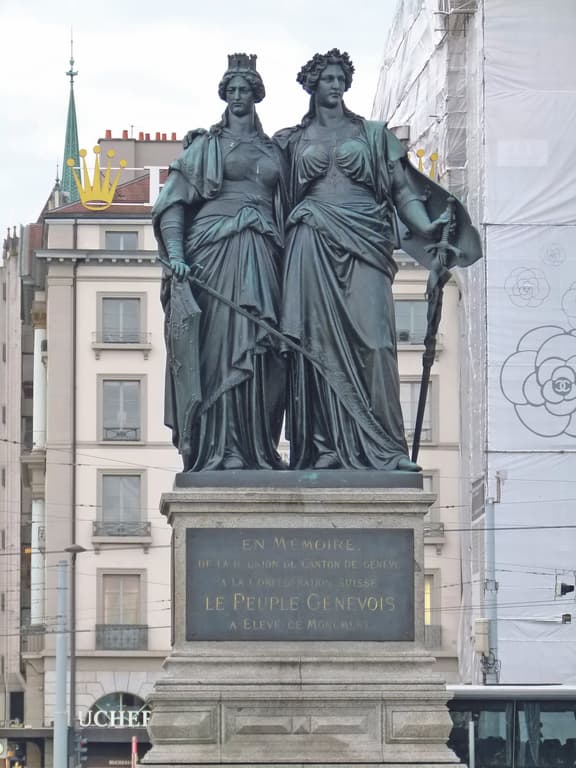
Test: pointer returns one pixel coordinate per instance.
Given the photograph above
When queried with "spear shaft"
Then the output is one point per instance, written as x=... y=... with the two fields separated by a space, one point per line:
x=434 y=294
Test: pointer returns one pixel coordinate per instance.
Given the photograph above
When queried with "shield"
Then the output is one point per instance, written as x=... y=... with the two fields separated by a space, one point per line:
x=183 y=383
x=466 y=239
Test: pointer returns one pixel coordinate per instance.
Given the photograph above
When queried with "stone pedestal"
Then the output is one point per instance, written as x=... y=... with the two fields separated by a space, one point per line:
x=311 y=702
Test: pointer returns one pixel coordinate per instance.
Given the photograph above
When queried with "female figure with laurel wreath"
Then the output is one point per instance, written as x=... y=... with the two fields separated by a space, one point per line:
x=220 y=215
x=348 y=176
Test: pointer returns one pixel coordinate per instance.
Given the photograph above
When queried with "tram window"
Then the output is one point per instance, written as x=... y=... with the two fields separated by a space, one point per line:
x=546 y=734
x=493 y=729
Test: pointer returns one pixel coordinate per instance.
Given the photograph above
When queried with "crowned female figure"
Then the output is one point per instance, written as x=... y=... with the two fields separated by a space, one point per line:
x=219 y=217
x=348 y=179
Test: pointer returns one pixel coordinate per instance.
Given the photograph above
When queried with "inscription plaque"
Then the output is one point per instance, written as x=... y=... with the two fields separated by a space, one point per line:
x=299 y=584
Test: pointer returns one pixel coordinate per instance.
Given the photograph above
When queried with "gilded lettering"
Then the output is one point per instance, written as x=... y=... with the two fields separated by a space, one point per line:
x=281 y=542
x=216 y=604
x=242 y=602
x=329 y=545
x=250 y=545
x=250 y=625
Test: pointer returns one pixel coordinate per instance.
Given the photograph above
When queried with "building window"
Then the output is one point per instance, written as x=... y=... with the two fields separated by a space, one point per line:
x=17 y=709
x=121 y=611
x=410 y=320
x=121 y=241
x=121 y=320
x=433 y=527
x=121 y=596
x=409 y=394
x=432 y=624
x=121 y=506
x=117 y=710
x=121 y=410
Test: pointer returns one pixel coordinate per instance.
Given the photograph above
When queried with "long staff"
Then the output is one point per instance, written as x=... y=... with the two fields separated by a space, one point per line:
x=286 y=340
x=434 y=293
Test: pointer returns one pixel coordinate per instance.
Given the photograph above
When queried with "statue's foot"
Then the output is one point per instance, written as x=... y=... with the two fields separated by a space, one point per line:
x=405 y=465
x=327 y=461
x=232 y=461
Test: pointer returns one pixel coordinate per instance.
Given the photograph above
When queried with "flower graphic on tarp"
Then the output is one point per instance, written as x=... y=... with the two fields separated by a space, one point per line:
x=554 y=255
x=527 y=287
x=540 y=380
x=569 y=305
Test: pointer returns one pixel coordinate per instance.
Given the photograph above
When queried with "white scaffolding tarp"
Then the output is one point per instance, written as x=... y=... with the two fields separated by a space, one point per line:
x=530 y=111
x=530 y=215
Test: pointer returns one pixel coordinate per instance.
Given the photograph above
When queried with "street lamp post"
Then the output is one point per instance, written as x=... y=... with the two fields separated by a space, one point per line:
x=74 y=550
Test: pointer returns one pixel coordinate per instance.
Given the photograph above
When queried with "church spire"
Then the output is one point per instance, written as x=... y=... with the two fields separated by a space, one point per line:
x=67 y=184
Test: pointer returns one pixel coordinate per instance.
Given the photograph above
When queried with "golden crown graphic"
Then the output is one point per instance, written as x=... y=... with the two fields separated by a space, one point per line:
x=433 y=168
x=98 y=194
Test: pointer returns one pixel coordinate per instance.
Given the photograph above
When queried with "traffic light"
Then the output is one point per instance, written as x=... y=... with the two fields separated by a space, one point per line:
x=80 y=748
x=83 y=749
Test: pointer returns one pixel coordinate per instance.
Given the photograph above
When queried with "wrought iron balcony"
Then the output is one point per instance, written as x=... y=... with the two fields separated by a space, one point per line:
x=120 y=337
x=411 y=337
x=121 y=637
x=433 y=530
x=416 y=338
x=32 y=638
x=121 y=340
x=120 y=434
x=120 y=528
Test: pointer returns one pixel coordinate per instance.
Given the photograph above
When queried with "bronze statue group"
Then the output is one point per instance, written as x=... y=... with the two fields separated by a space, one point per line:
x=278 y=288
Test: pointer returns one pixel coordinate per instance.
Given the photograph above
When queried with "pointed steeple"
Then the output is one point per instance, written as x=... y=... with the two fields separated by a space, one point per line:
x=71 y=147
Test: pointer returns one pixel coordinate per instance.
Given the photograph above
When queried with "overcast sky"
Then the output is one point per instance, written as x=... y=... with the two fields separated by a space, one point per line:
x=146 y=65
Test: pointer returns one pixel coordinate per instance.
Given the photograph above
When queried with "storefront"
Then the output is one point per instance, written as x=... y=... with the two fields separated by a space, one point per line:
x=113 y=727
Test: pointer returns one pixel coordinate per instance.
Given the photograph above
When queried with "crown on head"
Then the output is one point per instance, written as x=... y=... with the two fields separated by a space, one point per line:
x=96 y=195
x=242 y=61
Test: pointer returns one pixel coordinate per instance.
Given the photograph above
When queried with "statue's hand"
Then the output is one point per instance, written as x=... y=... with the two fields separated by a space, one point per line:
x=434 y=228
x=180 y=270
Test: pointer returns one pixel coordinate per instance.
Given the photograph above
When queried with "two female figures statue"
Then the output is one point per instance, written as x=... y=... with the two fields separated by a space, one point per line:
x=298 y=232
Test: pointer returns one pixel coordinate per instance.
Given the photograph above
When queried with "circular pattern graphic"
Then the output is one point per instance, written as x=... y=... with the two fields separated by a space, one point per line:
x=540 y=380
x=527 y=287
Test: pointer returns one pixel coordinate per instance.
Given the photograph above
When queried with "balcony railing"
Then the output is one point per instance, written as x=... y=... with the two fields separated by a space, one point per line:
x=121 y=637
x=120 y=337
x=432 y=636
x=411 y=337
x=433 y=530
x=417 y=338
x=128 y=434
x=121 y=341
x=32 y=639
x=120 y=528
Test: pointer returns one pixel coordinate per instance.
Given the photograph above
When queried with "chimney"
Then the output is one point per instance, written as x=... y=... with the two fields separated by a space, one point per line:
x=147 y=137
x=108 y=134
x=124 y=134
x=163 y=137
x=173 y=136
x=157 y=135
